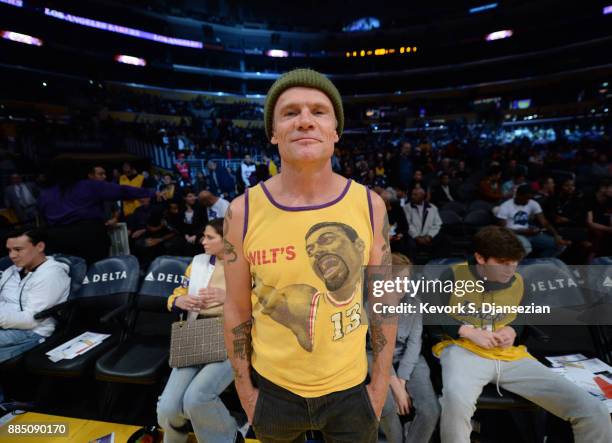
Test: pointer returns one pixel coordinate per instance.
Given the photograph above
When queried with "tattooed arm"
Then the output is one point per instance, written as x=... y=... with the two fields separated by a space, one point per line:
x=237 y=307
x=382 y=329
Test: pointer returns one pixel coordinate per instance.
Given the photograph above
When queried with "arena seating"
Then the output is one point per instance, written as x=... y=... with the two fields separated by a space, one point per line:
x=100 y=305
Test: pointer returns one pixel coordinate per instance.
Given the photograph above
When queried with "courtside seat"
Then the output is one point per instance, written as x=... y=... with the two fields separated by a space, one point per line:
x=100 y=305
x=78 y=270
x=143 y=357
x=549 y=282
x=599 y=314
x=5 y=263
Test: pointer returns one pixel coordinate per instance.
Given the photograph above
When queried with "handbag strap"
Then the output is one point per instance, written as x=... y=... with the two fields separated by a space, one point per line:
x=191 y=318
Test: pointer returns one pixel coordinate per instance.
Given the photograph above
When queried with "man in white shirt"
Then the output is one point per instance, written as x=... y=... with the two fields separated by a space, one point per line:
x=216 y=206
x=34 y=283
x=516 y=213
x=424 y=224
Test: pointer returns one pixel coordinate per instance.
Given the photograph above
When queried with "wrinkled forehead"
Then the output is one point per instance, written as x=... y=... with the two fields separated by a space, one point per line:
x=300 y=96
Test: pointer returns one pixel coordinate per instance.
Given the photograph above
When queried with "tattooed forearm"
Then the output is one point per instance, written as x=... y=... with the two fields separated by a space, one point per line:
x=386 y=247
x=242 y=340
x=229 y=252
x=377 y=336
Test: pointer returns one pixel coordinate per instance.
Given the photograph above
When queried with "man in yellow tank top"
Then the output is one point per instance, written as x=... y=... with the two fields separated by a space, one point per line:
x=295 y=247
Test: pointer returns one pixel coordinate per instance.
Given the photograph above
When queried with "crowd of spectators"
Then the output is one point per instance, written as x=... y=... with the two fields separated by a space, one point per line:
x=551 y=186
x=439 y=183
x=555 y=196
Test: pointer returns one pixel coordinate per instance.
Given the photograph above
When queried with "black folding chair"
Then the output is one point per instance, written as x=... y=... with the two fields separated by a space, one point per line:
x=100 y=305
x=142 y=359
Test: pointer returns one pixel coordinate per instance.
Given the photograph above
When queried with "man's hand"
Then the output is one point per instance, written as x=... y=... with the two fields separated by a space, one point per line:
x=529 y=231
x=482 y=338
x=559 y=241
x=151 y=242
x=138 y=233
x=560 y=220
x=190 y=238
x=377 y=399
x=505 y=336
x=423 y=240
x=401 y=396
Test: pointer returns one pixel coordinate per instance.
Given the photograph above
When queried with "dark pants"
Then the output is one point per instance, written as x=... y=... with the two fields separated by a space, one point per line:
x=342 y=417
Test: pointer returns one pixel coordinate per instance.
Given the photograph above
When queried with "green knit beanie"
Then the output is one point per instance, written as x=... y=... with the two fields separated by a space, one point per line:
x=306 y=78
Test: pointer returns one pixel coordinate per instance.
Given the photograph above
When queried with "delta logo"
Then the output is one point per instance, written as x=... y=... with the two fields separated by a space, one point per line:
x=106 y=276
x=166 y=278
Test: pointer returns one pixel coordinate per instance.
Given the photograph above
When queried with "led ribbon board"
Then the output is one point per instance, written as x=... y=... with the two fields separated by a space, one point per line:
x=21 y=38
x=84 y=21
x=17 y=3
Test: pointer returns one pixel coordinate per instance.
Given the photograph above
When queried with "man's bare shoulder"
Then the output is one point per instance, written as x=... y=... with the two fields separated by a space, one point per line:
x=378 y=205
x=234 y=217
x=236 y=207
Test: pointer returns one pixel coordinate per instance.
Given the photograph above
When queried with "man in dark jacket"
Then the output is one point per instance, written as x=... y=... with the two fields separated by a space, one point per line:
x=443 y=192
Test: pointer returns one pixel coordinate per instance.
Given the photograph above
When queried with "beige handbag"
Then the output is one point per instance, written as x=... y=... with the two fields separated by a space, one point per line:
x=197 y=342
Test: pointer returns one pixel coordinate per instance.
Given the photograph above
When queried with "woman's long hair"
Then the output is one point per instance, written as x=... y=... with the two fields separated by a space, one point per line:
x=217 y=225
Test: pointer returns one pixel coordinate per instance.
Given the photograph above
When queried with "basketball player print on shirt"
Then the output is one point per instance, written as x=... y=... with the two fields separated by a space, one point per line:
x=335 y=253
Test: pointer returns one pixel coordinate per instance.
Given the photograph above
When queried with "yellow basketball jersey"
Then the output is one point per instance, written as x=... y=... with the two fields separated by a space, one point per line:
x=129 y=206
x=310 y=325
x=508 y=296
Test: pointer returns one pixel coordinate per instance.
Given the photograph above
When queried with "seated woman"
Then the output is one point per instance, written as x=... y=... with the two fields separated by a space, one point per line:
x=192 y=393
